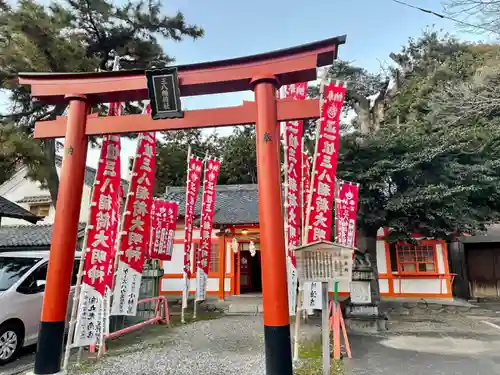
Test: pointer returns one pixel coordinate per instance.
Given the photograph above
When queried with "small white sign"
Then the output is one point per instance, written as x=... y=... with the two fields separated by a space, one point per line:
x=312 y=296
x=360 y=292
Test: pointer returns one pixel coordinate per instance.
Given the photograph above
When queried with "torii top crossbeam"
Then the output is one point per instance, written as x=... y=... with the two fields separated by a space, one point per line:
x=291 y=65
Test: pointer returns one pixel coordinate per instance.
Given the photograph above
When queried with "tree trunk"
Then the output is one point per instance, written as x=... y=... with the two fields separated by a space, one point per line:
x=52 y=178
x=49 y=149
x=368 y=243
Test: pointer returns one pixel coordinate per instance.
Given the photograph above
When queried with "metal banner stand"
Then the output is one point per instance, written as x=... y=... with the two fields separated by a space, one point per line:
x=325 y=329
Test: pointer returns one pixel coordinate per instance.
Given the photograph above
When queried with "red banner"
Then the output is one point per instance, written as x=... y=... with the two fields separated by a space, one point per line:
x=193 y=185
x=99 y=250
x=164 y=219
x=159 y=230
x=100 y=240
x=293 y=176
x=207 y=213
x=293 y=135
x=115 y=225
x=172 y=215
x=346 y=198
x=319 y=223
x=306 y=182
x=195 y=166
x=293 y=180
x=298 y=91
x=134 y=242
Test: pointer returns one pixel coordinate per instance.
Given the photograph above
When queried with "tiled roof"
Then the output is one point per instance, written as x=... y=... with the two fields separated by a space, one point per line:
x=10 y=209
x=36 y=199
x=234 y=204
x=29 y=235
x=90 y=172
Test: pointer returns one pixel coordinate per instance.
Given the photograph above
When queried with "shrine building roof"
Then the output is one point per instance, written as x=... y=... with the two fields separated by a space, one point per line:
x=234 y=204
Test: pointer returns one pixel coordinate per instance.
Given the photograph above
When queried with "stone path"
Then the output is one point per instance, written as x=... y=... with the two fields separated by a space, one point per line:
x=441 y=345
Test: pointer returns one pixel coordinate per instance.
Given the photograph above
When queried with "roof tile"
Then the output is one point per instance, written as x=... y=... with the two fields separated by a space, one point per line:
x=29 y=235
x=234 y=204
x=10 y=209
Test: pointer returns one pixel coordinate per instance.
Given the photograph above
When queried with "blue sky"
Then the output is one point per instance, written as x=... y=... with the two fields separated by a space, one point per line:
x=374 y=28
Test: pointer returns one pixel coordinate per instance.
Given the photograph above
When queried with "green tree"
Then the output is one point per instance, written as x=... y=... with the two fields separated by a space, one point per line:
x=419 y=172
x=239 y=157
x=236 y=150
x=74 y=36
x=171 y=159
x=17 y=149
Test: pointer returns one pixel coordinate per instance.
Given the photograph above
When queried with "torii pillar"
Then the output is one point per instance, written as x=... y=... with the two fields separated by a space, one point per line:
x=263 y=74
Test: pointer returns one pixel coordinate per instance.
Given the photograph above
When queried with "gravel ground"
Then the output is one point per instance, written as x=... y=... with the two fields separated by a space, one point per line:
x=234 y=344
x=223 y=346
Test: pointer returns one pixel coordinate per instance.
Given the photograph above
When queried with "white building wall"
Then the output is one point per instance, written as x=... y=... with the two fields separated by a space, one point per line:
x=19 y=186
x=381 y=258
x=383 y=285
x=174 y=267
x=409 y=285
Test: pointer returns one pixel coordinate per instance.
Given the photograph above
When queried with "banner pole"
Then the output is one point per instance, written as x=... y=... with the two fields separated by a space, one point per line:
x=336 y=320
x=186 y=280
x=306 y=224
x=198 y=264
x=76 y=296
x=325 y=329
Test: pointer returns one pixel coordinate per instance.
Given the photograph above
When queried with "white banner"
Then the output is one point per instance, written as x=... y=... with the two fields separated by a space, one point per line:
x=126 y=293
x=88 y=329
x=107 y=308
x=201 y=284
x=292 y=286
x=185 y=292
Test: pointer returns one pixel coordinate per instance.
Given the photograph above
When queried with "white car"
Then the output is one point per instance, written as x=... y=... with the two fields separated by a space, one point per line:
x=22 y=286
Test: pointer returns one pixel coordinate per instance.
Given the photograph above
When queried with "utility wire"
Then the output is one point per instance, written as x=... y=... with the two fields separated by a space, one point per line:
x=442 y=16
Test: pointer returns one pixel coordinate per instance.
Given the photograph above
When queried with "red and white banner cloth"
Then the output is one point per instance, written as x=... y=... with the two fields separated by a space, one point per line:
x=319 y=213
x=136 y=228
x=306 y=183
x=319 y=216
x=172 y=216
x=99 y=247
x=346 y=199
x=212 y=168
x=293 y=178
x=163 y=220
x=195 y=166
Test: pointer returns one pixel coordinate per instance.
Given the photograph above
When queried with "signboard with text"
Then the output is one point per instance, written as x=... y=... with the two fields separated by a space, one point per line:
x=164 y=93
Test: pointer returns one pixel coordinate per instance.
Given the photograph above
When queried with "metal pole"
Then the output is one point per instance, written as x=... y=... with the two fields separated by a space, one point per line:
x=76 y=296
x=336 y=322
x=198 y=258
x=325 y=329
x=185 y=289
x=273 y=257
x=64 y=237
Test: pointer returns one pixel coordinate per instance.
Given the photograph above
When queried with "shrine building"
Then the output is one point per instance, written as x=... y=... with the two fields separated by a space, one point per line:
x=418 y=270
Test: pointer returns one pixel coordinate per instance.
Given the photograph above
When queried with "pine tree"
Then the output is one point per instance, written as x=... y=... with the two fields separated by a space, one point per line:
x=76 y=36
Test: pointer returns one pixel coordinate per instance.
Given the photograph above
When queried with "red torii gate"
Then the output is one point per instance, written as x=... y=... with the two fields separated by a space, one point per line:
x=263 y=74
